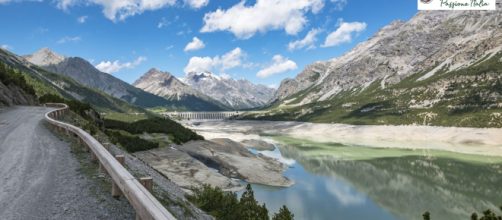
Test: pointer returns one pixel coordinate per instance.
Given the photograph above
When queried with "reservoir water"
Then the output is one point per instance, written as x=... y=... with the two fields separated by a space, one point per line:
x=334 y=181
x=384 y=188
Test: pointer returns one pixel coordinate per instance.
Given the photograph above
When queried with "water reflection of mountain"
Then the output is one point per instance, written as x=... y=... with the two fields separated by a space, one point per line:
x=409 y=186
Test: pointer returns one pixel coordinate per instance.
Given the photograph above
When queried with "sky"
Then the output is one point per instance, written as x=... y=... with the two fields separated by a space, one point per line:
x=264 y=41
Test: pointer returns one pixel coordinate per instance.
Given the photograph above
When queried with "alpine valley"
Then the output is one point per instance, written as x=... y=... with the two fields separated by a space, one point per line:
x=405 y=124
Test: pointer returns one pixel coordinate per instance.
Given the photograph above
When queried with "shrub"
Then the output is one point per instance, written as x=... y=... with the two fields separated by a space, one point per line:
x=284 y=214
x=179 y=133
x=130 y=142
x=11 y=76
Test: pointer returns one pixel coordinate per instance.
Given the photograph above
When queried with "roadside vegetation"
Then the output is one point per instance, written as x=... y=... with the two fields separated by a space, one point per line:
x=11 y=76
x=226 y=206
x=169 y=127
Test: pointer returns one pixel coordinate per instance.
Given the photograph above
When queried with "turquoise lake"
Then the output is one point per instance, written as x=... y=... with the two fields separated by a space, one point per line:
x=382 y=188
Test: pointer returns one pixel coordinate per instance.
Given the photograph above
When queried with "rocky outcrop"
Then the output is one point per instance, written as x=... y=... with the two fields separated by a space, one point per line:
x=184 y=170
x=218 y=162
x=258 y=144
x=233 y=160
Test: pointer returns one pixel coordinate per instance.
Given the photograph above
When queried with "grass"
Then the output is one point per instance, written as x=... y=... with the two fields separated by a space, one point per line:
x=125 y=117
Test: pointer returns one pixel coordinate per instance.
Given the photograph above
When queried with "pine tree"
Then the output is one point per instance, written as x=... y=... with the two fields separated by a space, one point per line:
x=427 y=216
x=283 y=214
x=474 y=216
x=249 y=207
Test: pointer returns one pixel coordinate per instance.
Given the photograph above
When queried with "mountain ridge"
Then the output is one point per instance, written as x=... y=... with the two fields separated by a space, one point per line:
x=84 y=72
x=229 y=93
x=438 y=68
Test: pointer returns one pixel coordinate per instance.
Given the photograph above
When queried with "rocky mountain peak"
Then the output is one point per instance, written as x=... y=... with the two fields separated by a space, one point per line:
x=45 y=57
x=154 y=73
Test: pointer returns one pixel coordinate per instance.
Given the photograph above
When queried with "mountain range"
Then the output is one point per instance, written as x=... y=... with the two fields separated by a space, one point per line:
x=229 y=93
x=439 y=68
x=85 y=73
x=157 y=89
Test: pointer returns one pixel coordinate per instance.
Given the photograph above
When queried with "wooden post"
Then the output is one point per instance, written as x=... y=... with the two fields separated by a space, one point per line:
x=94 y=158
x=121 y=159
x=115 y=190
x=147 y=182
x=101 y=168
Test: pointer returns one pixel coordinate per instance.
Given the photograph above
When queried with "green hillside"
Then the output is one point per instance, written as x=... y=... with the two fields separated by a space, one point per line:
x=44 y=82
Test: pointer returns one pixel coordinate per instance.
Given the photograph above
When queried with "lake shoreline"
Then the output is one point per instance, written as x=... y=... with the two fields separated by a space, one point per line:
x=479 y=141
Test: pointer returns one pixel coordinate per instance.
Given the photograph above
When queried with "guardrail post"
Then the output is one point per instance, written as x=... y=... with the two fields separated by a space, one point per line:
x=94 y=158
x=115 y=189
x=121 y=159
x=147 y=182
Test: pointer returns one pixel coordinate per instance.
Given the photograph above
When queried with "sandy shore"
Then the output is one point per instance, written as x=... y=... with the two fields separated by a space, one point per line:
x=482 y=141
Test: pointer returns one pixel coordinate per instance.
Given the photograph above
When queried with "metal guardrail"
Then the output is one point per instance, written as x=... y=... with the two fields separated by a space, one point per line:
x=146 y=205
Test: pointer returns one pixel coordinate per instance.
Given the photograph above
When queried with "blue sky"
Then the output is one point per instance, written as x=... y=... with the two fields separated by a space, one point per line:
x=254 y=40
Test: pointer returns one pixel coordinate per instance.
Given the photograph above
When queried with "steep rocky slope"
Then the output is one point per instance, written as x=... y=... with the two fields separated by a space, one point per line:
x=45 y=82
x=14 y=95
x=430 y=41
x=440 y=68
x=166 y=85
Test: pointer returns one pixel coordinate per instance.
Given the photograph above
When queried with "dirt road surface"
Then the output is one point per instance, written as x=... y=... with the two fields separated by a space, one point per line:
x=40 y=177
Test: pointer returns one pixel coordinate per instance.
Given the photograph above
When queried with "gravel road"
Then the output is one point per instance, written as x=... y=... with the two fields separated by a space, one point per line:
x=40 y=178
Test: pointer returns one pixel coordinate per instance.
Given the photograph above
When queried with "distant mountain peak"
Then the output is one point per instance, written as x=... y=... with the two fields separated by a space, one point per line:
x=45 y=57
x=153 y=74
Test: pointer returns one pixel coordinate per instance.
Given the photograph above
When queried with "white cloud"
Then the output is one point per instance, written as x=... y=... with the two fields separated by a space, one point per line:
x=307 y=42
x=163 y=23
x=195 y=44
x=227 y=61
x=68 y=39
x=5 y=46
x=344 y=33
x=196 y=4
x=116 y=10
x=115 y=66
x=245 y=21
x=82 y=19
x=279 y=65
x=273 y=86
x=339 y=4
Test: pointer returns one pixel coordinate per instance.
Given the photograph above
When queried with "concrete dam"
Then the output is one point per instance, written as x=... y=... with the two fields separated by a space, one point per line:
x=201 y=115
